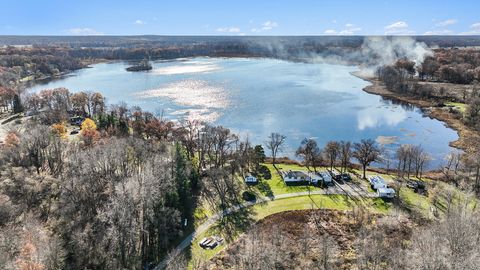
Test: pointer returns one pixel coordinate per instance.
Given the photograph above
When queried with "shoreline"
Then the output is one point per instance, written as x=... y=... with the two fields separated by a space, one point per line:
x=429 y=108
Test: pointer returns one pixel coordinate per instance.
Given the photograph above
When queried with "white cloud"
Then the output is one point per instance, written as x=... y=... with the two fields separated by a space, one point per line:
x=139 y=22
x=474 y=29
x=350 y=29
x=446 y=23
x=439 y=32
x=228 y=30
x=266 y=26
x=398 y=28
x=439 y=28
x=83 y=32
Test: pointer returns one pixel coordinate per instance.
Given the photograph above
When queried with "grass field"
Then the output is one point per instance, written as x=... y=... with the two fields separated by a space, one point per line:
x=275 y=186
x=459 y=106
x=260 y=211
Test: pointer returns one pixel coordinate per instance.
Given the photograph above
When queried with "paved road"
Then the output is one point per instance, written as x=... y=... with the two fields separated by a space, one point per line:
x=211 y=220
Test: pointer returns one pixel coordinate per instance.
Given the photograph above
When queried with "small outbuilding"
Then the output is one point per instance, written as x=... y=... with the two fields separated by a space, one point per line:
x=386 y=193
x=250 y=179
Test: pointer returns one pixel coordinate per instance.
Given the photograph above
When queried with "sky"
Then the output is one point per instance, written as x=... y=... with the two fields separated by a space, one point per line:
x=245 y=17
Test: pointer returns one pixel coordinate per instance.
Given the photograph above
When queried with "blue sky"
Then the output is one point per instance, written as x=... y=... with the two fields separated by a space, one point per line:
x=245 y=17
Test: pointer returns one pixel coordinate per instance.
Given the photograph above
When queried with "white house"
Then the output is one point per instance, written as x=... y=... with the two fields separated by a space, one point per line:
x=250 y=179
x=295 y=177
x=386 y=193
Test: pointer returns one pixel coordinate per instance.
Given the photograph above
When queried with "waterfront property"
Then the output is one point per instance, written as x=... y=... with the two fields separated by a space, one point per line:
x=295 y=177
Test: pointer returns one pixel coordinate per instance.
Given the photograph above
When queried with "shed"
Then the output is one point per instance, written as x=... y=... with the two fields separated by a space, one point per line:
x=250 y=179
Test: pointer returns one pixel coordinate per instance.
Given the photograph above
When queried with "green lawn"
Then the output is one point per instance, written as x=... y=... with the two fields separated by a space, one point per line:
x=420 y=202
x=276 y=184
x=260 y=211
x=338 y=202
x=459 y=106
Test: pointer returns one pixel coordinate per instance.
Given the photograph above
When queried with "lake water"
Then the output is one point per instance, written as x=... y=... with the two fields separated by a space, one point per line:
x=255 y=97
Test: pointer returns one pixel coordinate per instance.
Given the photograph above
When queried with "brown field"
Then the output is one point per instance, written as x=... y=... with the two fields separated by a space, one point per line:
x=300 y=239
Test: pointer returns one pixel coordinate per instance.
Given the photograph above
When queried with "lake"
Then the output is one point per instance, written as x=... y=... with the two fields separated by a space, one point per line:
x=255 y=97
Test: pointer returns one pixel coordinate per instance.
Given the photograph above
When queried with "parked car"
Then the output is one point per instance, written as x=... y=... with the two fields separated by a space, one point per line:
x=75 y=131
x=210 y=242
x=346 y=177
x=335 y=174
x=417 y=186
x=77 y=120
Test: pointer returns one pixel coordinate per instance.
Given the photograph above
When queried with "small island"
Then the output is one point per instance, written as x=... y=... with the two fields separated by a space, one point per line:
x=142 y=66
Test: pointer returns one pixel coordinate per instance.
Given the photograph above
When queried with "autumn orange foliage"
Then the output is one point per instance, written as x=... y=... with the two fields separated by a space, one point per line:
x=89 y=131
x=59 y=129
x=12 y=140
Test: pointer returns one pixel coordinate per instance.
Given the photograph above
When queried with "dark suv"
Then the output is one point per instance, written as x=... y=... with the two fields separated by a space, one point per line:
x=346 y=177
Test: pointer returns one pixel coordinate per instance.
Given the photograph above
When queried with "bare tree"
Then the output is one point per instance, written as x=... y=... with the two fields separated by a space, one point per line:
x=450 y=244
x=420 y=160
x=275 y=144
x=332 y=151
x=366 y=152
x=345 y=155
x=310 y=153
x=405 y=156
x=451 y=167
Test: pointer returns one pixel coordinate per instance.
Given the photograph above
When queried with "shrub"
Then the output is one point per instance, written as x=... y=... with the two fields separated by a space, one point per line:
x=248 y=196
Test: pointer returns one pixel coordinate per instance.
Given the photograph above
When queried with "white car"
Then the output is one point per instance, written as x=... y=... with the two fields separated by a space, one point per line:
x=386 y=193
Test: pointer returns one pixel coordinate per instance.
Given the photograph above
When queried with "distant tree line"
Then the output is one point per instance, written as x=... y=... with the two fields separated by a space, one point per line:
x=453 y=66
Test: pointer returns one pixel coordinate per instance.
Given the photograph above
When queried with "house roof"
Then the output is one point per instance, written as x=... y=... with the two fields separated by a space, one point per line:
x=386 y=190
x=293 y=174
